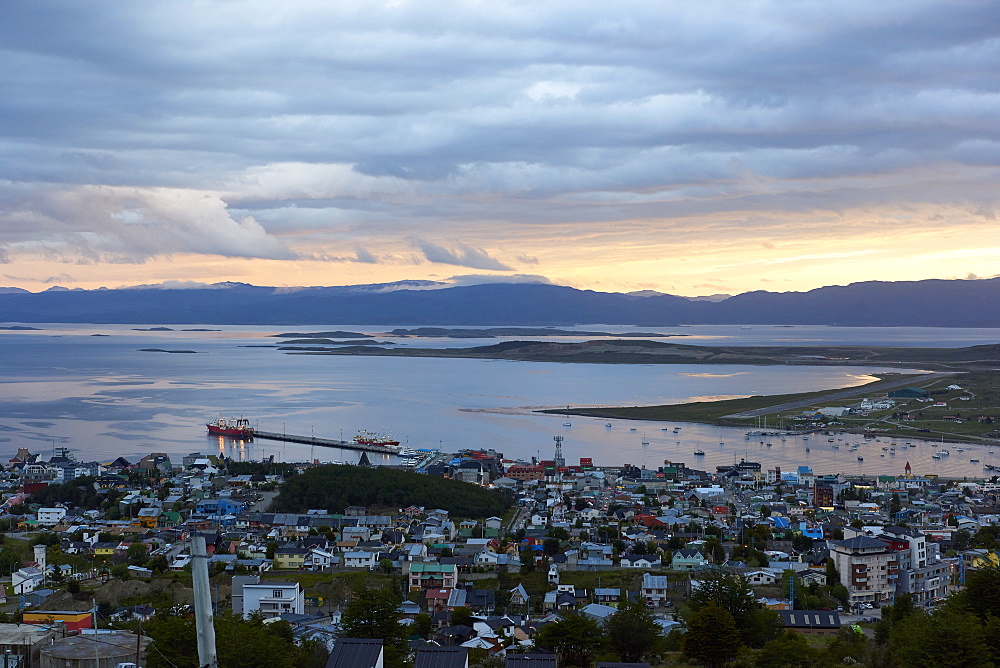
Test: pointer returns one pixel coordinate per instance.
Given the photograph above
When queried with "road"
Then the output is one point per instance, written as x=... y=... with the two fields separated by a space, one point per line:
x=841 y=394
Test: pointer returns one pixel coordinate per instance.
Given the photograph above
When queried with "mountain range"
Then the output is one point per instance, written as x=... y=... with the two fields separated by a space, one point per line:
x=930 y=303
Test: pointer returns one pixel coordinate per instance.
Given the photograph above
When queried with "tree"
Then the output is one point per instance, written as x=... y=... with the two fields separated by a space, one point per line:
x=944 y=639
x=137 y=553
x=714 y=551
x=712 y=637
x=374 y=613
x=790 y=650
x=982 y=592
x=10 y=560
x=575 y=638
x=461 y=616
x=634 y=633
x=731 y=593
x=832 y=576
x=240 y=643
x=527 y=559
x=423 y=625
x=894 y=505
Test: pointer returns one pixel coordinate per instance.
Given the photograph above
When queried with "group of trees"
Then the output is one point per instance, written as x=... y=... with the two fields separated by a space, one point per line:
x=337 y=487
x=631 y=635
x=239 y=642
x=964 y=631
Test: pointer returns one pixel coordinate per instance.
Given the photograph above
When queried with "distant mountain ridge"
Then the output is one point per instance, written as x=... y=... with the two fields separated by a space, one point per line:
x=930 y=303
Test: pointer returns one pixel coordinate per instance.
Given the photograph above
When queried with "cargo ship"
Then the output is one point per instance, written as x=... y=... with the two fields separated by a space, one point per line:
x=239 y=427
x=364 y=437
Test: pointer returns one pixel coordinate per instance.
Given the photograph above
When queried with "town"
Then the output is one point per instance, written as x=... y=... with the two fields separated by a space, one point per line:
x=105 y=548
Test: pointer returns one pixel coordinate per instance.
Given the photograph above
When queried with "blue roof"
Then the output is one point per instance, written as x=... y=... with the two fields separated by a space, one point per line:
x=805 y=469
x=781 y=522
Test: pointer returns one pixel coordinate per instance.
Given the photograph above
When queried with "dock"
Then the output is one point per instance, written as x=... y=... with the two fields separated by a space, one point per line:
x=325 y=442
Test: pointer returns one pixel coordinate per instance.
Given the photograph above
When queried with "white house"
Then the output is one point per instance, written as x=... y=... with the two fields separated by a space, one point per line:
x=360 y=559
x=25 y=580
x=760 y=577
x=273 y=599
x=654 y=588
x=51 y=516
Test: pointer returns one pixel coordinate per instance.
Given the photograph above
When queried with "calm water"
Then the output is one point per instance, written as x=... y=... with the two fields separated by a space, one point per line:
x=102 y=397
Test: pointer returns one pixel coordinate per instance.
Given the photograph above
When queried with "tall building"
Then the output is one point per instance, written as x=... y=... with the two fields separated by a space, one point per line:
x=868 y=567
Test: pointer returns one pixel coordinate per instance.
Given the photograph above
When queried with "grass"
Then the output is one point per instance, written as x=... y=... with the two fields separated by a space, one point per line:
x=710 y=411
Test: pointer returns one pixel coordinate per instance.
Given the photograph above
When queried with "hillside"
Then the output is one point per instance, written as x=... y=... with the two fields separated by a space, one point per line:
x=334 y=488
x=931 y=303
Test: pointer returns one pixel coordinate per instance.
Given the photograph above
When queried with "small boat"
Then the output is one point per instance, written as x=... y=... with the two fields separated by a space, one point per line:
x=836 y=446
x=722 y=442
x=935 y=456
x=645 y=442
x=808 y=450
x=974 y=461
x=861 y=459
x=632 y=429
x=699 y=453
x=769 y=445
x=607 y=424
x=567 y=424
x=665 y=429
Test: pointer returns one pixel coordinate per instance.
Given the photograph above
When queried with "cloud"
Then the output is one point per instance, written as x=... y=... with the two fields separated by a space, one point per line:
x=463 y=256
x=112 y=224
x=478 y=279
x=363 y=255
x=585 y=135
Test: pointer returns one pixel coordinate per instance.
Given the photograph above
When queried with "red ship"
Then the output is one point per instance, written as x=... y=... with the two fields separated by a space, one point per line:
x=232 y=427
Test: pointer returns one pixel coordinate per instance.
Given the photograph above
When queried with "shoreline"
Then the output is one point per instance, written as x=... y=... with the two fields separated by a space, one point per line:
x=745 y=412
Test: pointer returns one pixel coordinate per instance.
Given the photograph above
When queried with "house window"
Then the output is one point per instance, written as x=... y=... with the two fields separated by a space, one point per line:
x=276 y=593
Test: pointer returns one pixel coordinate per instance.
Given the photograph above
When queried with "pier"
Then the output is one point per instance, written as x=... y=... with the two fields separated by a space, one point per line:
x=325 y=442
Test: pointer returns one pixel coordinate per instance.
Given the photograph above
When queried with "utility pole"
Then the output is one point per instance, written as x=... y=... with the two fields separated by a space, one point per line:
x=204 y=619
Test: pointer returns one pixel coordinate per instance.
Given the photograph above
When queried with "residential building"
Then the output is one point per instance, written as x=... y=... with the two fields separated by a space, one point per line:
x=868 y=567
x=431 y=576
x=688 y=560
x=654 y=589
x=271 y=598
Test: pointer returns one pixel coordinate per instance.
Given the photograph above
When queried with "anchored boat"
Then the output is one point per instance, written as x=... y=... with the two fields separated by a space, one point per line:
x=239 y=427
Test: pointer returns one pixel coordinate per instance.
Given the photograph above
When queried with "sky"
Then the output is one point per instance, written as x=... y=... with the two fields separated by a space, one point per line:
x=693 y=148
